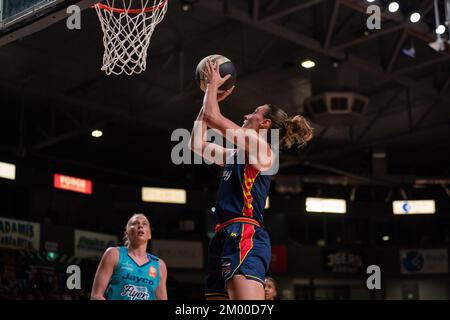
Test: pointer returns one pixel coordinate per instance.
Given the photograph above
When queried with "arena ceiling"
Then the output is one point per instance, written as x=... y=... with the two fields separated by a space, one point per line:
x=53 y=92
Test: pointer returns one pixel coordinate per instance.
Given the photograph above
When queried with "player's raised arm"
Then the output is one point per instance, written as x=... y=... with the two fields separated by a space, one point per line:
x=248 y=139
x=198 y=142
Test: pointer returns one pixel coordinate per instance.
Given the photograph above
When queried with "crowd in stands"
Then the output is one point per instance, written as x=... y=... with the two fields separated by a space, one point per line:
x=24 y=279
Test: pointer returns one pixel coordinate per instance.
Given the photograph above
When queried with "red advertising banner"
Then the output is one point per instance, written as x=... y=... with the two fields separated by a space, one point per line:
x=279 y=259
x=72 y=184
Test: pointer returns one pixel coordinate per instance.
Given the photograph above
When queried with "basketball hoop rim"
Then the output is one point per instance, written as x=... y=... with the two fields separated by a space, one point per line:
x=132 y=11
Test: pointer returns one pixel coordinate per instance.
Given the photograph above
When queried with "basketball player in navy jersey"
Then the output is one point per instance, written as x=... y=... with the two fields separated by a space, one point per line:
x=129 y=272
x=239 y=253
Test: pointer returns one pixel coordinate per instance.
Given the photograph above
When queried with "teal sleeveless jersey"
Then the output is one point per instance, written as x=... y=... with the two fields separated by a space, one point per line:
x=131 y=281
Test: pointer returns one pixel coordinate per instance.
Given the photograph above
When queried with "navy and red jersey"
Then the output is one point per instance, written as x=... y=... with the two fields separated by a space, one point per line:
x=242 y=191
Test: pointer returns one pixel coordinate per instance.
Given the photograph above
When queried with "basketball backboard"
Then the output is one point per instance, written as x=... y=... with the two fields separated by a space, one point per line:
x=19 y=18
x=14 y=11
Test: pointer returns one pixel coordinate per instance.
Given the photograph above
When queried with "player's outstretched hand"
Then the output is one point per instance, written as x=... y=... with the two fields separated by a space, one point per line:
x=212 y=75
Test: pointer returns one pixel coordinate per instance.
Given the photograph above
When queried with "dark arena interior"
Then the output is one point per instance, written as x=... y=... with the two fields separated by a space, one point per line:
x=81 y=150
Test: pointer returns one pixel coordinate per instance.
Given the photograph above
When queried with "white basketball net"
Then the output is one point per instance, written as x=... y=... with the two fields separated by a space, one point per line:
x=127 y=33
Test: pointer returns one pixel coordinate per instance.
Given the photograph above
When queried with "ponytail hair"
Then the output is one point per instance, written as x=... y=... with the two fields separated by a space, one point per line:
x=293 y=130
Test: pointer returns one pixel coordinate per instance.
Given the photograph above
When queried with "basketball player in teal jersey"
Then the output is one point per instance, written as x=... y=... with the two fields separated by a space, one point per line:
x=129 y=272
x=239 y=253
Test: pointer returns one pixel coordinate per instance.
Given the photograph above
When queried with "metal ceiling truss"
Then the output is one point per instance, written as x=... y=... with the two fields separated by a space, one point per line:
x=380 y=112
x=308 y=42
x=331 y=25
x=412 y=30
x=67 y=101
x=80 y=130
x=284 y=11
x=264 y=21
x=293 y=160
x=357 y=41
x=50 y=131
x=387 y=73
x=377 y=141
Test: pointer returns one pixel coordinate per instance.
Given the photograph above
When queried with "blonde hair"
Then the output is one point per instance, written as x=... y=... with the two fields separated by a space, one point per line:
x=293 y=130
x=126 y=240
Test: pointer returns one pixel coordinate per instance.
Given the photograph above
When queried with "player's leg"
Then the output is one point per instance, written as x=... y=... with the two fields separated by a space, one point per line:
x=241 y=288
x=215 y=285
x=248 y=259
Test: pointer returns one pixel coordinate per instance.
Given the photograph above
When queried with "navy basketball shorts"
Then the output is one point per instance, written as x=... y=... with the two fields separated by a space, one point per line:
x=239 y=248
